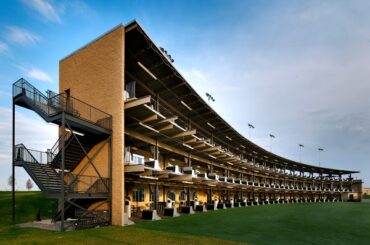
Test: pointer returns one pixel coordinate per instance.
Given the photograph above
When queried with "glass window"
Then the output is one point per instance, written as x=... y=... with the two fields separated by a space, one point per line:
x=136 y=159
x=183 y=196
x=138 y=195
x=171 y=195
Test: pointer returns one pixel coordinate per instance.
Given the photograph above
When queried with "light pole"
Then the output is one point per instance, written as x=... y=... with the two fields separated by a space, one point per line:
x=300 y=149
x=250 y=130
x=210 y=98
x=271 y=137
x=320 y=150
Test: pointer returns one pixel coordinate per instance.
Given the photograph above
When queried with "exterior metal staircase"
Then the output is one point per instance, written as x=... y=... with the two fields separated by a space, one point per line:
x=34 y=162
x=82 y=115
x=73 y=151
x=81 y=219
x=86 y=126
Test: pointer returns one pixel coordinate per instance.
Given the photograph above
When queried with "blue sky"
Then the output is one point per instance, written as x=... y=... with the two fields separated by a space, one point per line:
x=297 y=69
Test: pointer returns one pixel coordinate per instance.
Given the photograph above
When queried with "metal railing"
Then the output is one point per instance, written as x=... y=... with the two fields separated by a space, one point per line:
x=22 y=154
x=53 y=152
x=27 y=156
x=80 y=109
x=38 y=98
x=91 y=218
x=62 y=102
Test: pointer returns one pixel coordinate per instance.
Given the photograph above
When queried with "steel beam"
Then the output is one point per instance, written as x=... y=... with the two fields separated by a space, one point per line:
x=13 y=166
x=62 y=173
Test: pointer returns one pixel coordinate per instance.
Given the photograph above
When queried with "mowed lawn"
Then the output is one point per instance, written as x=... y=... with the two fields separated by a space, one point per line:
x=311 y=223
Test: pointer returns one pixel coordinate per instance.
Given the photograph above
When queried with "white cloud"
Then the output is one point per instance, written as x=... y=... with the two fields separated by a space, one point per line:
x=45 y=8
x=194 y=75
x=285 y=62
x=77 y=7
x=32 y=131
x=3 y=93
x=17 y=35
x=34 y=73
x=3 y=47
x=39 y=75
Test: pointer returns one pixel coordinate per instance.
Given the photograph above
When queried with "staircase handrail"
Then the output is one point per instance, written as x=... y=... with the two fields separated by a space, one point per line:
x=63 y=102
x=17 y=157
x=30 y=155
x=53 y=151
x=23 y=87
x=83 y=110
x=23 y=81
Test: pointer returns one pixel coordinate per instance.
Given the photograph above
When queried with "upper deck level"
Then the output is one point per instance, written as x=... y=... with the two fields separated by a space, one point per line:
x=155 y=75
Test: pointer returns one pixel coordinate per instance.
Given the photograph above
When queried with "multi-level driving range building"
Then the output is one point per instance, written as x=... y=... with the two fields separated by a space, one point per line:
x=136 y=140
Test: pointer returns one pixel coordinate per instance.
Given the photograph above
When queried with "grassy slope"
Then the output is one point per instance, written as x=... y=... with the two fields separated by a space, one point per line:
x=27 y=204
x=327 y=223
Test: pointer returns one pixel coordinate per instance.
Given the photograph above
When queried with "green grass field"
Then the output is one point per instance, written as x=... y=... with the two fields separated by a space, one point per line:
x=311 y=223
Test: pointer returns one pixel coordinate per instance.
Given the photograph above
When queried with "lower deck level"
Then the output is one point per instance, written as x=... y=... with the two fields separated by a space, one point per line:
x=143 y=196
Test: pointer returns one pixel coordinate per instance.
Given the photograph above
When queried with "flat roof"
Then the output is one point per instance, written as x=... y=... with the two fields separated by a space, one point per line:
x=94 y=40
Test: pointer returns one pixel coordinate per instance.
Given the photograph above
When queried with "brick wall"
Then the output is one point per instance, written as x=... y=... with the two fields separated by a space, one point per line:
x=95 y=75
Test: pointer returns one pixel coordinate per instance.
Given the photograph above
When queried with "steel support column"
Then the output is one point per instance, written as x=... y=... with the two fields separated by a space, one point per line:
x=13 y=166
x=62 y=194
x=156 y=194
x=110 y=177
x=188 y=197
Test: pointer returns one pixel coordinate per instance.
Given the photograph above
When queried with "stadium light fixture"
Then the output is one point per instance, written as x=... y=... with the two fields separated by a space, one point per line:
x=300 y=149
x=271 y=137
x=210 y=98
x=166 y=54
x=320 y=150
x=250 y=130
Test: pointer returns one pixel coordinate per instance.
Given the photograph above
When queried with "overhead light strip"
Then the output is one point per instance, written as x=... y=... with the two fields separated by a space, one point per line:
x=147 y=70
x=148 y=177
x=196 y=137
x=75 y=132
x=189 y=108
x=227 y=137
x=212 y=156
x=188 y=146
x=187 y=182
x=211 y=125
x=148 y=127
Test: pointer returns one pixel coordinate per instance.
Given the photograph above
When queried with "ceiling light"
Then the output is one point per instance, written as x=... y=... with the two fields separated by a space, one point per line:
x=189 y=108
x=147 y=70
x=211 y=125
x=75 y=132
x=188 y=146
